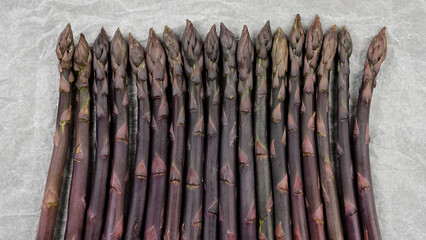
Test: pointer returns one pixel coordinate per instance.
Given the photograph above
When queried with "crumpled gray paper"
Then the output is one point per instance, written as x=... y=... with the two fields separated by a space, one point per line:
x=29 y=88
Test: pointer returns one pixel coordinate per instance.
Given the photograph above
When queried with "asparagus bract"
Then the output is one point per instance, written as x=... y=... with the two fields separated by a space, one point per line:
x=278 y=141
x=95 y=212
x=328 y=182
x=351 y=221
x=138 y=195
x=263 y=168
x=177 y=134
x=113 y=228
x=52 y=190
x=247 y=203
x=211 y=184
x=77 y=197
x=192 y=52
x=158 y=79
x=376 y=54
x=295 y=49
x=228 y=146
x=314 y=207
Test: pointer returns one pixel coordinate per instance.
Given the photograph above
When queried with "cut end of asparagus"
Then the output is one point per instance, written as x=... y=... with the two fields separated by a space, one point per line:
x=344 y=49
x=211 y=46
x=377 y=50
x=65 y=47
x=192 y=44
x=314 y=38
x=136 y=54
x=297 y=37
x=264 y=41
x=171 y=43
x=245 y=54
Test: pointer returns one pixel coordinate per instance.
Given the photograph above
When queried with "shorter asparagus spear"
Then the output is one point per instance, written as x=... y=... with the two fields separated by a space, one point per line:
x=351 y=222
x=138 y=196
x=282 y=208
x=177 y=134
x=95 y=212
x=328 y=182
x=192 y=51
x=314 y=207
x=77 y=199
x=211 y=185
x=158 y=79
x=228 y=146
x=263 y=168
x=245 y=58
x=376 y=54
x=295 y=50
x=114 y=223
x=50 y=204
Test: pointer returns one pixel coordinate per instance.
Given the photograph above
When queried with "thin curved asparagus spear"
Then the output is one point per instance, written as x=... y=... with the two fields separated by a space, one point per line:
x=77 y=198
x=328 y=182
x=177 y=134
x=351 y=223
x=192 y=52
x=376 y=54
x=263 y=168
x=211 y=184
x=95 y=212
x=158 y=79
x=278 y=141
x=113 y=228
x=138 y=195
x=228 y=145
x=298 y=211
x=314 y=207
x=52 y=190
x=247 y=183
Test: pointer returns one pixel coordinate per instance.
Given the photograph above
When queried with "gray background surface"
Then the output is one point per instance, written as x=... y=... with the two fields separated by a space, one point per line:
x=29 y=88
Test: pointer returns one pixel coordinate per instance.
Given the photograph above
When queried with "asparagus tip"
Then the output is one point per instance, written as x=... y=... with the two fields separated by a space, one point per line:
x=345 y=44
x=131 y=38
x=213 y=29
x=316 y=17
x=377 y=50
x=188 y=23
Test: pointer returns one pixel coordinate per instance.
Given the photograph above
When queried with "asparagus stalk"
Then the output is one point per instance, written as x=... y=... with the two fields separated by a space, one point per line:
x=177 y=134
x=211 y=185
x=138 y=195
x=113 y=228
x=100 y=65
x=282 y=208
x=351 y=222
x=158 y=79
x=192 y=51
x=376 y=54
x=314 y=207
x=295 y=48
x=247 y=203
x=263 y=167
x=228 y=138
x=49 y=206
x=77 y=198
x=328 y=183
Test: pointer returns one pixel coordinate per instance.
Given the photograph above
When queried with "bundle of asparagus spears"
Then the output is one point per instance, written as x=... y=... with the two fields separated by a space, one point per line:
x=233 y=137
